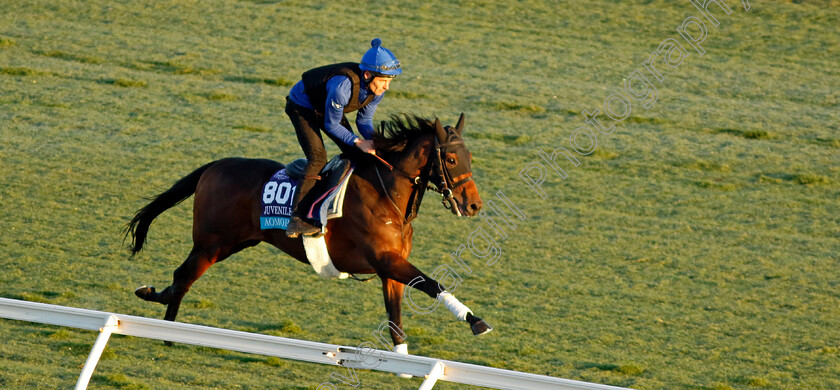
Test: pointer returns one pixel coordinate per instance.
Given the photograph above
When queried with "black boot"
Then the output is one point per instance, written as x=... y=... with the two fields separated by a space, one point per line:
x=298 y=224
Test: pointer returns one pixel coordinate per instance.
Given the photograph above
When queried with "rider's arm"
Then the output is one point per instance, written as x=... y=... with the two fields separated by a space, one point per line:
x=364 y=118
x=339 y=89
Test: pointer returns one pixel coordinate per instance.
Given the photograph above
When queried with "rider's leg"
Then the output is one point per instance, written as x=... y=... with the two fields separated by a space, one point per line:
x=309 y=136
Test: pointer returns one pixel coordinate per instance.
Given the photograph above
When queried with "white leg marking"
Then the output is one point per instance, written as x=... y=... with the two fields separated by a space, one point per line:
x=402 y=349
x=456 y=307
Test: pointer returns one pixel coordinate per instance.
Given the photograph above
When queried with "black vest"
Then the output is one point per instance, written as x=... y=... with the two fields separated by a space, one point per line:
x=315 y=85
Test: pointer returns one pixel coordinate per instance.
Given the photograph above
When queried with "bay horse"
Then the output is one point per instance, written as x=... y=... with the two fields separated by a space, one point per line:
x=373 y=236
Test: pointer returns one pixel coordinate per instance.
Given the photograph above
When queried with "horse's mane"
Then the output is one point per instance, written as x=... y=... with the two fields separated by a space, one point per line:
x=400 y=131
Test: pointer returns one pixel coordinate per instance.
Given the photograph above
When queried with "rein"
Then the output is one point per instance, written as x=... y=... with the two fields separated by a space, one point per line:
x=388 y=194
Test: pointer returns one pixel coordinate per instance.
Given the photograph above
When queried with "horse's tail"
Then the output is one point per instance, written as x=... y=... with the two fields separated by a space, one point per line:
x=181 y=190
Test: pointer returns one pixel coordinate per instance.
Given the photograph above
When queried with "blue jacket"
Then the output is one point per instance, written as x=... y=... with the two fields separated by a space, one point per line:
x=338 y=95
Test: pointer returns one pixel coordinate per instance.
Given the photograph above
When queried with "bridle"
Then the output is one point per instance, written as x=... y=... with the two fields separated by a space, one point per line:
x=443 y=179
x=446 y=182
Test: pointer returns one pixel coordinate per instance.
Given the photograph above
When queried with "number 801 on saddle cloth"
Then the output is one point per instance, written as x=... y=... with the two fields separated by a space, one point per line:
x=279 y=191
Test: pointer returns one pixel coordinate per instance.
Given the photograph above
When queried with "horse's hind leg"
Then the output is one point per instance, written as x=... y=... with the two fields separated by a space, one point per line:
x=193 y=267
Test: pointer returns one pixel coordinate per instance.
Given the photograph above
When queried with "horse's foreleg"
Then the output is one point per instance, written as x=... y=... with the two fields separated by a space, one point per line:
x=392 y=291
x=399 y=269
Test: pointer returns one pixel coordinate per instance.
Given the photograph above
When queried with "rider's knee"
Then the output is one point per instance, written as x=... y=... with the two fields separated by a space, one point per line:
x=315 y=163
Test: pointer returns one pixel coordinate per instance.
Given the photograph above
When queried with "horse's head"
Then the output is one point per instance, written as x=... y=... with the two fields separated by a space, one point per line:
x=451 y=171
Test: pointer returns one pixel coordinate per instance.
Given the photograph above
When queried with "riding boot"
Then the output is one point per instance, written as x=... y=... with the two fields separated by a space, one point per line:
x=298 y=224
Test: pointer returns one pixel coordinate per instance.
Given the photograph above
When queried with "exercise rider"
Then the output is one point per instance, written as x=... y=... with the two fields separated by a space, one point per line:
x=319 y=102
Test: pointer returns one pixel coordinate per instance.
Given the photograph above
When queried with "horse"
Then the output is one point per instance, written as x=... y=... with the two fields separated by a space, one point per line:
x=374 y=235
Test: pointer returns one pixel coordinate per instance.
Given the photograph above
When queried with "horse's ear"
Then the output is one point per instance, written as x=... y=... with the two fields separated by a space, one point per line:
x=441 y=133
x=460 y=126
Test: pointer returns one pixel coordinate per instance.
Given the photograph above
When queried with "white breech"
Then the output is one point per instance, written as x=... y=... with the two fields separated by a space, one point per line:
x=456 y=307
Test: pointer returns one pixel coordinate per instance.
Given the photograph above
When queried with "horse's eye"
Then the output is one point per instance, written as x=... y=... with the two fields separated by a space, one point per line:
x=450 y=160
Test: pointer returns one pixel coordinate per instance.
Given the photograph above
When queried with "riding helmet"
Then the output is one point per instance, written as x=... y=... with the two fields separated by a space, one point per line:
x=380 y=60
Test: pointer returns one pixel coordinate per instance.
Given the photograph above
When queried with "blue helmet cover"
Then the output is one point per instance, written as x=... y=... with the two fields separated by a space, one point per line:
x=380 y=60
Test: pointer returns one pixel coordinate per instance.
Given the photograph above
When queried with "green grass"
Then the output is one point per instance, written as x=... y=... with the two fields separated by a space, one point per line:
x=695 y=248
x=70 y=57
x=281 y=82
x=126 y=83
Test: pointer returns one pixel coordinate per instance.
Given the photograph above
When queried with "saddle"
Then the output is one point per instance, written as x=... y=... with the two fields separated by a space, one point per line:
x=330 y=187
x=337 y=166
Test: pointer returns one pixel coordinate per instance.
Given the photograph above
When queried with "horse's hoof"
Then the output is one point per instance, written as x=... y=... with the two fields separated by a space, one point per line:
x=478 y=326
x=144 y=292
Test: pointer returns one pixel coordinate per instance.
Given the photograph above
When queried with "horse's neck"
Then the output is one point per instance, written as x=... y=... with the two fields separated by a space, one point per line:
x=416 y=156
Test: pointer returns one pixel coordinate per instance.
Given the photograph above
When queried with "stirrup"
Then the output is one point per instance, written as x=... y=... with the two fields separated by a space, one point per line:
x=298 y=226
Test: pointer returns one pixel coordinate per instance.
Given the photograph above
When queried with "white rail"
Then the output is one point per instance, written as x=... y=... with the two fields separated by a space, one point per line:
x=308 y=351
